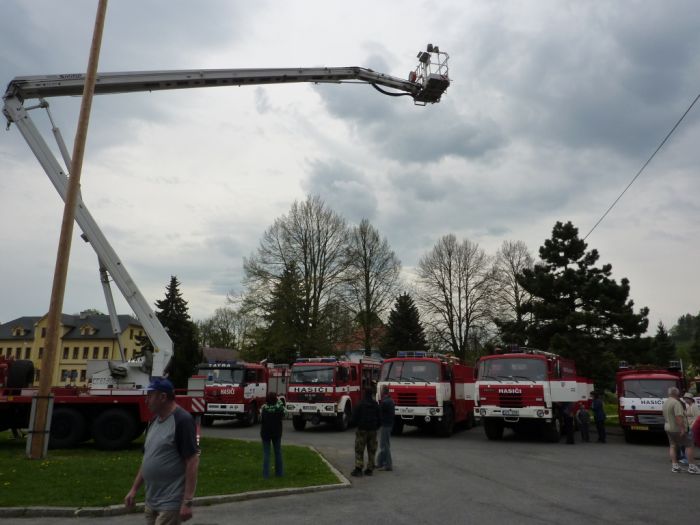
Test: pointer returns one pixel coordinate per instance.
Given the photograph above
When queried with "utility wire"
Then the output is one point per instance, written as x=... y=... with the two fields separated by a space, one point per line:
x=668 y=135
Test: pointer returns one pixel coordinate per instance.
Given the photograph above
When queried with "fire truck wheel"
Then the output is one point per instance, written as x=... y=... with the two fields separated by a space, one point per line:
x=113 y=429
x=629 y=435
x=493 y=429
x=21 y=374
x=446 y=426
x=469 y=422
x=397 y=429
x=553 y=430
x=298 y=422
x=67 y=428
x=343 y=420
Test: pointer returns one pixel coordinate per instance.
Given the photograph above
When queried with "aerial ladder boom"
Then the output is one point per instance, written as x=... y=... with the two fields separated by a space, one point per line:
x=425 y=85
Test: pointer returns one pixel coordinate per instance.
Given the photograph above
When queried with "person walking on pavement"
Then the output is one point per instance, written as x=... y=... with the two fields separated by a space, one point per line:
x=271 y=433
x=170 y=459
x=388 y=412
x=599 y=416
x=367 y=417
x=583 y=418
x=676 y=426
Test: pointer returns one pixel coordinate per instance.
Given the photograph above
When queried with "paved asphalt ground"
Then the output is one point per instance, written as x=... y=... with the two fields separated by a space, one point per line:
x=467 y=479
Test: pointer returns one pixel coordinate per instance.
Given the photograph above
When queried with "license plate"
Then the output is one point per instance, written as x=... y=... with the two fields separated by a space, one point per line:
x=309 y=407
x=639 y=427
x=510 y=412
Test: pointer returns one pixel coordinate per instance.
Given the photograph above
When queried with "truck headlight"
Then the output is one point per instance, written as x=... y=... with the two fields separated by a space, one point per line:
x=432 y=411
x=482 y=411
x=329 y=408
x=540 y=413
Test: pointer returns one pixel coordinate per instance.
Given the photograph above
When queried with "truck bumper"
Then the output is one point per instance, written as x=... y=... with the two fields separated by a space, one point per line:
x=309 y=410
x=410 y=413
x=513 y=415
x=224 y=409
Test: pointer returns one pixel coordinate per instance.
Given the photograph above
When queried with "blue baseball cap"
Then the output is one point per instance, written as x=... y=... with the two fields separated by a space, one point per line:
x=160 y=384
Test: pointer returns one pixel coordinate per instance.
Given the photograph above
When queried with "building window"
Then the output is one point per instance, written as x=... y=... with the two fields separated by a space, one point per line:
x=131 y=333
x=18 y=353
x=41 y=352
x=75 y=352
x=37 y=375
x=64 y=376
x=105 y=352
x=18 y=331
x=85 y=352
x=43 y=332
x=73 y=375
x=27 y=353
x=8 y=353
x=65 y=353
x=95 y=353
x=82 y=375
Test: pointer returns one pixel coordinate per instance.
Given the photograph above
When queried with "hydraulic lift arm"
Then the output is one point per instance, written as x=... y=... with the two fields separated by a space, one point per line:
x=425 y=85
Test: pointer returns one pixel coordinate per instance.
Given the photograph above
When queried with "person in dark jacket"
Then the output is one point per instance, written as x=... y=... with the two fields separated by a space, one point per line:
x=367 y=417
x=583 y=418
x=599 y=416
x=271 y=433
x=388 y=412
x=569 y=410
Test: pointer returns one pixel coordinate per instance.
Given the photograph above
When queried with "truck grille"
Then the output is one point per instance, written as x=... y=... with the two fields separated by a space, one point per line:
x=408 y=399
x=650 y=419
x=510 y=400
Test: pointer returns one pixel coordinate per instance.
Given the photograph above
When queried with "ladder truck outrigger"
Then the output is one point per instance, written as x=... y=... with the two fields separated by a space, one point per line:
x=112 y=409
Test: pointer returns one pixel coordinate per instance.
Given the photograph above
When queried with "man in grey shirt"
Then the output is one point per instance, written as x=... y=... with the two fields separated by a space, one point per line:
x=170 y=459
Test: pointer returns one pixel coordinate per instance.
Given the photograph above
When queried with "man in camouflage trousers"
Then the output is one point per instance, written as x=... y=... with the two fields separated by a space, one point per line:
x=367 y=417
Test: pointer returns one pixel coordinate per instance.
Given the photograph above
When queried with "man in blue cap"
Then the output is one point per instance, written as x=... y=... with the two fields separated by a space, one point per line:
x=170 y=459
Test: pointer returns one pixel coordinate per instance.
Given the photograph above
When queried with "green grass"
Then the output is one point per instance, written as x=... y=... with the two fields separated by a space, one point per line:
x=85 y=477
x=612 y=419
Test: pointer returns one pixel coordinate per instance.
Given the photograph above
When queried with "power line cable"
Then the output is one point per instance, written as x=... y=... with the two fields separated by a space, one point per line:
x=668 y=135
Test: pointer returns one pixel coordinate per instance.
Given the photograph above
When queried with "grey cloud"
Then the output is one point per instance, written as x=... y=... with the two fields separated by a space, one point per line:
x=262 y=102
x=404 y=132
x=344 y=188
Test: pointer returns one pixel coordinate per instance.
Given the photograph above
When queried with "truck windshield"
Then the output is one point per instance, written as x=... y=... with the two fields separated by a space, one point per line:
x=231 y=376
x=513 y=369
x=312 y=374
x=648 y=387
x=428 y=371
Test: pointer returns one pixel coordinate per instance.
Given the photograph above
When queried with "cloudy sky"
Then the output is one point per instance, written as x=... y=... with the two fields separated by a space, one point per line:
x=554 y=107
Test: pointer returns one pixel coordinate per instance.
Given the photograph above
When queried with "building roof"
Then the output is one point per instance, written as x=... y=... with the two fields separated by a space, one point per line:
x=27 y=323
x=100 y=326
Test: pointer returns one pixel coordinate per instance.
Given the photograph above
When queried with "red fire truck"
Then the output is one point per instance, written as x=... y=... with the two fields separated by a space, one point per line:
x=237 y=390
x=641 y=392
x=112 y=415
x=429 y=389
x=327 y=389
x=523 y=388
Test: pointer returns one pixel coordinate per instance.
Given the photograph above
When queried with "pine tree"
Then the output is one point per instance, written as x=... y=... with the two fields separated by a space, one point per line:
x=577 y=309
x=663 y=348
x=173 y=314
x=404 y=329
x=284 y=337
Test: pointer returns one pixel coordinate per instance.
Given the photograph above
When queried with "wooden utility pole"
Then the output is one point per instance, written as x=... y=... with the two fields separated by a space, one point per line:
x=38 y=426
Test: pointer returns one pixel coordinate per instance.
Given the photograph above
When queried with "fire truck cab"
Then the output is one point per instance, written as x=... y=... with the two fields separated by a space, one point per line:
x=429 y=390
x=237 y=390
x=326 y=389
x=641 y=392
x=523 y=388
